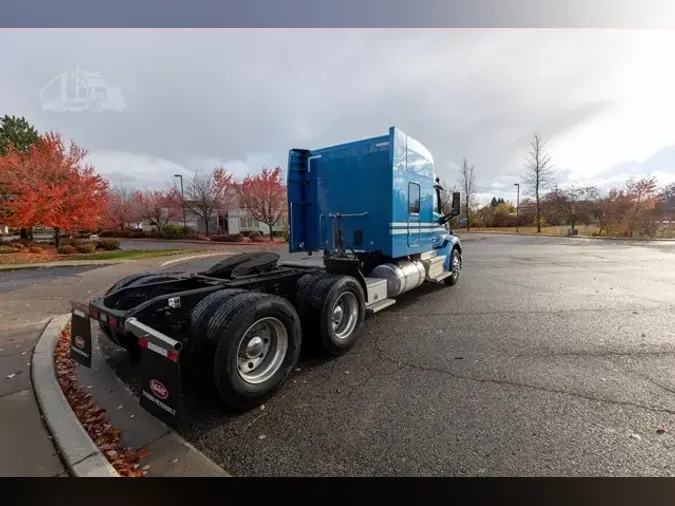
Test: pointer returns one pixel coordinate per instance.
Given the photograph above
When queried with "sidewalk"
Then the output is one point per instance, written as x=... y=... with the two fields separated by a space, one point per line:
x=26 y=448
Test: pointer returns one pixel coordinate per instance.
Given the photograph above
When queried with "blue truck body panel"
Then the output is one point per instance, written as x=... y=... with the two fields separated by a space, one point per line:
x=382 y=186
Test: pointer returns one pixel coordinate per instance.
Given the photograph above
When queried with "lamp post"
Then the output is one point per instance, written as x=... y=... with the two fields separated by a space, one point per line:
x=517 y=185
x=182 y=198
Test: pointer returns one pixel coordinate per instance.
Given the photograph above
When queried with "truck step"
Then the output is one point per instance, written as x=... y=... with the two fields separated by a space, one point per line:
x=440 y=277
x=379 y=306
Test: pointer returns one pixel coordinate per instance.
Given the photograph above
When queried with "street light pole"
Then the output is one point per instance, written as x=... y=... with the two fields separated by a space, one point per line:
x=182 y=198
x=517 y=185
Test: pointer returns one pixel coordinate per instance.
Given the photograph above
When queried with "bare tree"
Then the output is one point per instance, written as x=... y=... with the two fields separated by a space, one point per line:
x=205 y=193
x=575 y=204
x=467 y=183
x=539 y=174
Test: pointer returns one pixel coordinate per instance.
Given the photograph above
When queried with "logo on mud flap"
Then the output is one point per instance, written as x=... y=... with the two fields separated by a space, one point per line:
x=79 y=342
x=158 y=389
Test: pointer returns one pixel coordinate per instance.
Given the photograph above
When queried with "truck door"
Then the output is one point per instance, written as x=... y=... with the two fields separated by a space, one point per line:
x=414 y=196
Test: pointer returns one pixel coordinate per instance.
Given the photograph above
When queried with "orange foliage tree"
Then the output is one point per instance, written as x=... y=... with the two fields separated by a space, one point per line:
x=264 y=196
x=633 y=209
x=49 y=185
x=157 y=207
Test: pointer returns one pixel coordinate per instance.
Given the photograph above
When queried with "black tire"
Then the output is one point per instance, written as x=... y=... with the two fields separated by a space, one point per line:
x=228 y=326
x=327 y=292
x=303 y=294
x=454 y=277
x=201 y=350
x=125 y=281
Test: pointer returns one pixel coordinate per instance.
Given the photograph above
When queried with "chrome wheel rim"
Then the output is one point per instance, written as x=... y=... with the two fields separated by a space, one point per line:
x=345 y=315
x=456 y=265
x=262 y=350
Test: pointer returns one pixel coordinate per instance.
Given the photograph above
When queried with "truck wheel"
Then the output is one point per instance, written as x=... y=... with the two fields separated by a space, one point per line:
x=339 y=303
x=201 y=353
x=303 y=294
x=455 y=267
x=258 y=338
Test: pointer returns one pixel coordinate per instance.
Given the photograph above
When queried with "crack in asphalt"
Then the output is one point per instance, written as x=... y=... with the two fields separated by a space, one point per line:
x=644 y=377
x=383 y=355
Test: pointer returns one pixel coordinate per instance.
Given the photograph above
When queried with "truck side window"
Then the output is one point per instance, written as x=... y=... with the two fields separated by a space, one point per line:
x=413 y=198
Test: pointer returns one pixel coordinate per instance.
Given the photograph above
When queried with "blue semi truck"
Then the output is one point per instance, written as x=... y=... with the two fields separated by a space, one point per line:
x=372 y=212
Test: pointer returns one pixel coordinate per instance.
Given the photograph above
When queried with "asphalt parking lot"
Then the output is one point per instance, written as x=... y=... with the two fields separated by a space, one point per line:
x=552 y=356
x=14 y=279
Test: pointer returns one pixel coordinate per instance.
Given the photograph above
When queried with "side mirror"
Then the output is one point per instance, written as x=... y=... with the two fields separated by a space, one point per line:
x=456 y=204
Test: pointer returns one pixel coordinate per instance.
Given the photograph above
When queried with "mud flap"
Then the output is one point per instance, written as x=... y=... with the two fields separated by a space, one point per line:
x=160 y=372
x=80 y=334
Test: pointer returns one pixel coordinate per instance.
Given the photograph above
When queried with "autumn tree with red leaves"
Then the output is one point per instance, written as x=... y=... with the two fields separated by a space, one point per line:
x=49 y=185
x=158 y=207
x=264 y=196
x=122 y=209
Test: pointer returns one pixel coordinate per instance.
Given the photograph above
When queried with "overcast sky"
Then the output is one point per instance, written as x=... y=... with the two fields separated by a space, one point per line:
x=604 y=99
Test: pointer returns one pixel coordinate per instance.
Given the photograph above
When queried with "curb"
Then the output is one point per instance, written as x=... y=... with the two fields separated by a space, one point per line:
x=78 y=451
x=102 y=263
x=213 y=243
x=51 y=265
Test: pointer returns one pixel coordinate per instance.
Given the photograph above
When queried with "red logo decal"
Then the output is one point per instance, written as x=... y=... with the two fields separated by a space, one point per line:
x=79 y=342
x=158 y=389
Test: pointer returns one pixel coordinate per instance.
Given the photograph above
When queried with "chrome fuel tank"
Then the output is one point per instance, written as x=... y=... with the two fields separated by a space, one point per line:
x=401 y=277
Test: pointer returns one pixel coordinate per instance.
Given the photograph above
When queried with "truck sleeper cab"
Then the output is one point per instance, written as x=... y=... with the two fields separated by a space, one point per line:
x=372 y=207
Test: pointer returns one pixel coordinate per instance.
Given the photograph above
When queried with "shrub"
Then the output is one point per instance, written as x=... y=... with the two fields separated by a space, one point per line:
x=178 y=232
x=66 y=249
x=16 y=245
x=173 y=232
x=86 y=248
x=25 y=243
x=36 y=249
x=5 y=250
x=257 y=238
x=109 y=244
x=228 y=238
x=126 y=233
x=79 y=242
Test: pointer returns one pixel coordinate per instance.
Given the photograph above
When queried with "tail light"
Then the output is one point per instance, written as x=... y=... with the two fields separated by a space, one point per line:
x=93 y=313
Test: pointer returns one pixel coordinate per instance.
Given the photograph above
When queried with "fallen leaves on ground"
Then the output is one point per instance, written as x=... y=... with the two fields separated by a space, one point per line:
x=92 y=417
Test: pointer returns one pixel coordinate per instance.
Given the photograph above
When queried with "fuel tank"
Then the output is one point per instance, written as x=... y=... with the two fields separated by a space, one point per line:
x=401 y=277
